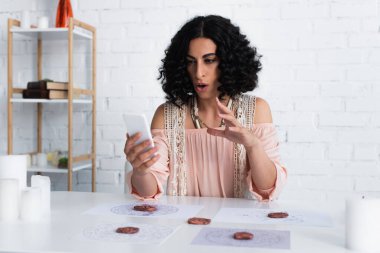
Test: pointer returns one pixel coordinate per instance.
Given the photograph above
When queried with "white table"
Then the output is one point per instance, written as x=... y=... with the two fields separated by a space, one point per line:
x=54 y=233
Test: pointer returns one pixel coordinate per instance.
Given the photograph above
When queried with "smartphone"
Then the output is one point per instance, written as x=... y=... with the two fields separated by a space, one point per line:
x=138 y=123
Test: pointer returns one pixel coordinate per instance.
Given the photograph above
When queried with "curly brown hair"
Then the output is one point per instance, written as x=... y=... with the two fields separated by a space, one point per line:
x=239 y=62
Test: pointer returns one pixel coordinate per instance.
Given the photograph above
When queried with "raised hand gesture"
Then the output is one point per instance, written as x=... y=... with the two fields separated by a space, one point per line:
x=233 y=130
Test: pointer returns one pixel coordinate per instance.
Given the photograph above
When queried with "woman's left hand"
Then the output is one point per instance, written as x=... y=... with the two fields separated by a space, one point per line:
x=233 y=130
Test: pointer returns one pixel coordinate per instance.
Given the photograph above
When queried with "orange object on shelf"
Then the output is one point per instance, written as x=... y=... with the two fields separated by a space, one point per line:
x=64 y=13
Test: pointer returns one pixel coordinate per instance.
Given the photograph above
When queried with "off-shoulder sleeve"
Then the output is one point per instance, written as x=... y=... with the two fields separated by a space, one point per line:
x=267 y=134
x=160 y=170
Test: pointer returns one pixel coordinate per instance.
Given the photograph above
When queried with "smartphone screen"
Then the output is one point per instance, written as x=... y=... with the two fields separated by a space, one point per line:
x=138 y=123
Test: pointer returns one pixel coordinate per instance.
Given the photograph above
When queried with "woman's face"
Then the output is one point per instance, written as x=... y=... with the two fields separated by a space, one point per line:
x=202 y=66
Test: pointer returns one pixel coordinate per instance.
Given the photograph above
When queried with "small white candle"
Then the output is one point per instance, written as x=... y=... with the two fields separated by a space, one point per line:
x=363 y=225
x=28 y=161
x=43 y=22
x=9 y=199
x=43 y=183
x=14 y=166
x=30 y=206
x=34 y=160
x=25 y=19
x=41 y=159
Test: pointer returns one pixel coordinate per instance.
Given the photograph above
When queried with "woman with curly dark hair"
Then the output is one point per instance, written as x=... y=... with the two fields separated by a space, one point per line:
x=210 y=138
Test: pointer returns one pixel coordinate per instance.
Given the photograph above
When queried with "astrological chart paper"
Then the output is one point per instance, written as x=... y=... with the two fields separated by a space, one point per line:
x=270 y=239
x=163 y=210
x=260 y=216
x=106 y=232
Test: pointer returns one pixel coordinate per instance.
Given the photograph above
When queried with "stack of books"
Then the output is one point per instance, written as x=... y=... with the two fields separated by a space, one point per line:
x=46 y=89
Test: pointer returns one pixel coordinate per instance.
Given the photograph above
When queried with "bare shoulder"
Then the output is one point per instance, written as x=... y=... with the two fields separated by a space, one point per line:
x=158 y=121
x=262 y=112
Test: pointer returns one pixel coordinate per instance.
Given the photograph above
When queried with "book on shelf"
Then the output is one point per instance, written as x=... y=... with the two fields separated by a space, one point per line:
x=47 y=85
x=45 y=94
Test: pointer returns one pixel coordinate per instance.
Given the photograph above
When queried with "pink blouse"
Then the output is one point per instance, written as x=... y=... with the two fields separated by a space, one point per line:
x=210 y=164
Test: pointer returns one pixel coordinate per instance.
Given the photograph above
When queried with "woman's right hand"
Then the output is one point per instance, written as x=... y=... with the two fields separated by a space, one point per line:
x=138 y=155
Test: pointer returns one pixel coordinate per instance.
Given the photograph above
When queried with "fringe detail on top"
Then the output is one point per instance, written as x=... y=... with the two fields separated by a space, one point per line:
x=175 y=118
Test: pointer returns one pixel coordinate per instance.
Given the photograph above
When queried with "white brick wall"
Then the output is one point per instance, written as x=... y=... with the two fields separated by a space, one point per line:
x=321 y=68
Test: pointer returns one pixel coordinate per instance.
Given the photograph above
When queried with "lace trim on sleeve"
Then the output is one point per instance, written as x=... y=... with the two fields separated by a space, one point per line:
x=245 y=110
x=175 y=130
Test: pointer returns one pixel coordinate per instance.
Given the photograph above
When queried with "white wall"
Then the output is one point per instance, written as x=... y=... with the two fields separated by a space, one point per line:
x=321 y=71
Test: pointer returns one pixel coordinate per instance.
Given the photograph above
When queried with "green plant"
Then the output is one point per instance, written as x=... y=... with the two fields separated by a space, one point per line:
x=62 y=162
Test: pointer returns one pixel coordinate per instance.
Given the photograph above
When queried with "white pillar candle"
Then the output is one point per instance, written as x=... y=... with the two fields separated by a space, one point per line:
x=25 y=19
x=41 y=159
x=9 y=199
x=30 y=205
x=363 y=225
x=14 y=166
x=28 y=161
x=34 y=160
x=43 y=22
x=43 y=183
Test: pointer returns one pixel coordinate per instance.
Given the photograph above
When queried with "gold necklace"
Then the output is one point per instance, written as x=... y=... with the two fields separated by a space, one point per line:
x=198 y=123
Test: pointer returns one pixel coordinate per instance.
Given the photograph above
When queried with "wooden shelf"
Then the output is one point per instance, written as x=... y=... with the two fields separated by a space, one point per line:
x=76 y=30
x=52 y=169
x=50 y=101
x=51 y=33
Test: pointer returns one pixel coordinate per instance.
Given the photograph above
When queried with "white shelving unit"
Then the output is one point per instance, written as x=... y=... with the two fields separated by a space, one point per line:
x=52 y=33
x=79 y=31
x=50 y=101
x=51 y=169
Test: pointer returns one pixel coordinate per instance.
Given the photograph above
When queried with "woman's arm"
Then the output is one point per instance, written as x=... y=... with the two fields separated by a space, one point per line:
x=143 y=181
x=263 y=171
